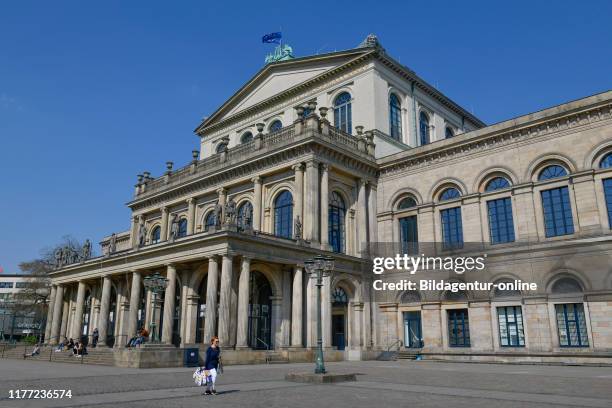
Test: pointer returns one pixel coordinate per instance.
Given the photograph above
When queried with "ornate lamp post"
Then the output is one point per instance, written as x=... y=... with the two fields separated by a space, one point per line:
x=318 y=268
x=156 y=284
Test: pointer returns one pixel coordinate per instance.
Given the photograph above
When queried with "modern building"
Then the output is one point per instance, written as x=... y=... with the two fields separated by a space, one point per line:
x=16 y=322
x=330 y=154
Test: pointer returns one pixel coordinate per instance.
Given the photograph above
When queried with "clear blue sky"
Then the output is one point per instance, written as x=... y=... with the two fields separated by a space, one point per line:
x=91 y=95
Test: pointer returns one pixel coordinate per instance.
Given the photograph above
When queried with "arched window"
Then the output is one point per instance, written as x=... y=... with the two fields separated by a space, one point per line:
x=245 y=215
x=307 y=111
x=221 y=147
x=339 y=297
x=275 y=126
x=558 y=218
x=283 y=215
x=406 y=203
x=156 y=235
x=342 y=112
x=449 y=194
x=395 y=117
x=448 y=132
x=337 y=214
x=246 y=137
x=182 y=228
x=566 y=285
x=551 y=172
x=606 y=161
x=424 y=128
x=497 y=183
x=501 y=223
x=209 y=221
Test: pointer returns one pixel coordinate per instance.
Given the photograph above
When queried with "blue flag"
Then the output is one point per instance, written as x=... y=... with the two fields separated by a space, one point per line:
x=272 y=38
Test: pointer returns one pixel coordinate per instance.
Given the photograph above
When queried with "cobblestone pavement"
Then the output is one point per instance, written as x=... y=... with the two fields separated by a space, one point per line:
x=393 y=384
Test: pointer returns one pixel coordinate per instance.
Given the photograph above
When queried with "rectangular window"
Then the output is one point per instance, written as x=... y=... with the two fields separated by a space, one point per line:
x=409 y=235
x=501 y=225
x=21 y=285
x=452 y=229
x=571 y=324
x=607 y=184
x=557 y=212
x=6 y=285
x=511 y=331
x=458 y=328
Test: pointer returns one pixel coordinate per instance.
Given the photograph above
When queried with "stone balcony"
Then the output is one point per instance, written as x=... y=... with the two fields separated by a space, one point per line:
x=312 y=129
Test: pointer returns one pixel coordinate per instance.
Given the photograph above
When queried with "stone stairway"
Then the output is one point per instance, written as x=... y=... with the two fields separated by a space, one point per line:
x=407 y=354
x=101 y=356
x=276 y=358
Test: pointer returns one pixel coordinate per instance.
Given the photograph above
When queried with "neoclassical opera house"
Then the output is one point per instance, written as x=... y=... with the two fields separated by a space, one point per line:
x=327 y=154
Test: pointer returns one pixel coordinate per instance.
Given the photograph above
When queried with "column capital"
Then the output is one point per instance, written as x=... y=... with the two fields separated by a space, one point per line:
x=256 y=179
x=246 y=258
x=191 y=200
x=298 y=167
x=363 y=182
x=221 y=191
x=165 y=209
x=312 y=163
x=325 y=166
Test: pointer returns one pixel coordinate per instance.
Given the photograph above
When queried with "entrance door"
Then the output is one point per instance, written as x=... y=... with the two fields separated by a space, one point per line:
x=412 y=329
x=260 y=313
x=338 y=334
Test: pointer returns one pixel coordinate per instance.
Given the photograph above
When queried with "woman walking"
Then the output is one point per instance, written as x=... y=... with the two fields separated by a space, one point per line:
x=211 y=365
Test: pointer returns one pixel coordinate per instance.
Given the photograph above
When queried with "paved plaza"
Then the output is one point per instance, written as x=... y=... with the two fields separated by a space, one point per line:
x=383 y=384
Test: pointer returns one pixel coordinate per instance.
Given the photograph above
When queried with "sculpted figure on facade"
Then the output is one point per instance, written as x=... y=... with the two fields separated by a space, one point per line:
x=218 y=214
x=230 y=212
x=58 y=257
x=174 y=227
x=247 y=222
x=142 y=234
x=297 y=229
x=86 y=250
x=112 y=245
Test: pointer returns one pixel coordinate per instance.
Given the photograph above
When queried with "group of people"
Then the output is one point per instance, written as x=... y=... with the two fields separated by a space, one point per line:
x=140 y=338
x=78 y=348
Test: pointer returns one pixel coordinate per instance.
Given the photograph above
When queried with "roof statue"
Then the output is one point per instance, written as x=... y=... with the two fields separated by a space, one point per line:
x=282 y=52
x=371 y=41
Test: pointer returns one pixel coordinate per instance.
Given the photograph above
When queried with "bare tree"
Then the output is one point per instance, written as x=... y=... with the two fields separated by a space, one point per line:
x=32 y=299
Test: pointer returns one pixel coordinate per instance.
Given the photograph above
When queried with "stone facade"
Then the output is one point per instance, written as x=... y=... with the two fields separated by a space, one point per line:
x=323 y=185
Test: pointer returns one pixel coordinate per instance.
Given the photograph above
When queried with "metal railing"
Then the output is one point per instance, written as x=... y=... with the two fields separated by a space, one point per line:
x=267 y=349
x=399 y=343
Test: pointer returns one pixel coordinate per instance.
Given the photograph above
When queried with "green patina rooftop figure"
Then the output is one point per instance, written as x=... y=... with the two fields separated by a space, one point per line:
x=282 y=52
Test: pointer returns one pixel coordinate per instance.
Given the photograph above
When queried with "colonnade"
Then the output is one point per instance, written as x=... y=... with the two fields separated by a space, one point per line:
x=227 y=305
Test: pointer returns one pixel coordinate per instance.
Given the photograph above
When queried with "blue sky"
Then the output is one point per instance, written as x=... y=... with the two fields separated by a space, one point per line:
x=91 y=95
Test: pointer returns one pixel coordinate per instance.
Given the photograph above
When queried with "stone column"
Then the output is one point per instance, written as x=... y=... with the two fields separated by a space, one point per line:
x=326 y=311
x=77 y=323
x=134 y=235
x=169 y=305
x=372 y=211
x=225 y=299
x=362 y=224
x=104 y=310
x=256 y=203
x=50 y=308
x=311 y=312
x=298 y=199
x=277 y=337
x=212 y=283
x=286 y=309
x=296 y=308
x=355 y=325
x=65 y=308
x=164 y=224
x=325 y=207
x=134 y=302
x=56 y=323
x=311 y=203
x=243 y=304
x=191 y=216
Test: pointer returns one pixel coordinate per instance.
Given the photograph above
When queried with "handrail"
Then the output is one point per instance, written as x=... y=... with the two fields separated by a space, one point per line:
x=399 y=342
x=267 y=349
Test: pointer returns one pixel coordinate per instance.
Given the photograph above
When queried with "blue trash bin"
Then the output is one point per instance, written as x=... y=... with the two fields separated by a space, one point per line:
x=191 y=357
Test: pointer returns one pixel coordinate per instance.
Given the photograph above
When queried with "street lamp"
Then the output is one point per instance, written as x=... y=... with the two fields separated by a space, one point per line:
x=156 y=284
x=317 y=268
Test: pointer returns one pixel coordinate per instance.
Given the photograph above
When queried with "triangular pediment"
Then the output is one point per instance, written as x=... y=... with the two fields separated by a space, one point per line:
x=279 y=77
